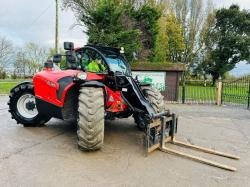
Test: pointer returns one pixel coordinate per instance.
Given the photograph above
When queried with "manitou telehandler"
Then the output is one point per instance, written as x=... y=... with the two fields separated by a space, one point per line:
x=97 y=85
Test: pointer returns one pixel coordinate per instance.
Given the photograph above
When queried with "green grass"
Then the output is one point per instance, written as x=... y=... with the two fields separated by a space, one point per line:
x=5 y=87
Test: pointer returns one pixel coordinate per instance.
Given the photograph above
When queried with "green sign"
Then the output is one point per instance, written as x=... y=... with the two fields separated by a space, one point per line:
x=157 y=79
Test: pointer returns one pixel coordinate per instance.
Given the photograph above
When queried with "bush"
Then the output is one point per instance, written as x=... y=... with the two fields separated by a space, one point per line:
x=3 y=74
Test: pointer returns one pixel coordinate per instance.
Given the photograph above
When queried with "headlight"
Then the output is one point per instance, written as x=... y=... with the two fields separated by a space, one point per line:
x=81 y=75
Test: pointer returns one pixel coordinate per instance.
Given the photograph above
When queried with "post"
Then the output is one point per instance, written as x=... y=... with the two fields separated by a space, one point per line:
x=183 y=89
x=163 y=131
x=56 y=27
x=248 y=100
x=219 y=92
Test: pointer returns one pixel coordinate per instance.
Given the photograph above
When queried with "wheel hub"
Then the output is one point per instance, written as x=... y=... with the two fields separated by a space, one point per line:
x=30 y=105
x=26 y=106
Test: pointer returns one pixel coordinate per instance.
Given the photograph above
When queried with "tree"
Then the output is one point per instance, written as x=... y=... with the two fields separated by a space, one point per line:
x=169 y=43
x=231 y=40
x=192 y=15
x=131 y=24
x=29 y=60
x=20 y=64
x=112 y=25
x=6 y=52
x=175 y=45
x=147 y=17
x=201 y=62
x=161 y=47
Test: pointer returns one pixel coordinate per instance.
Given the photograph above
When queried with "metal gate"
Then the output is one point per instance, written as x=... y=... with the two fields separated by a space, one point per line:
x=236 y=92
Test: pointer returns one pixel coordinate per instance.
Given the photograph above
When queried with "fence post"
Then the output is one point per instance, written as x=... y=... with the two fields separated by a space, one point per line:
x=219 y=92
x=248 y=100
x=183 y=89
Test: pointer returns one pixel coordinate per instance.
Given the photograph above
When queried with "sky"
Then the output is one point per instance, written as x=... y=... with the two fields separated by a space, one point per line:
x=242 y=68
x=25 y=21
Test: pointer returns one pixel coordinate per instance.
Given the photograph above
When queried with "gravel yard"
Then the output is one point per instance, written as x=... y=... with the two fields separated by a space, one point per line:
x=48 y=156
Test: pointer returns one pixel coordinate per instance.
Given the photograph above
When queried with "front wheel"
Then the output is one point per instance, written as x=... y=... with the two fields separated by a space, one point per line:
x=90 y=118
x=156 y=100
x=22 y=106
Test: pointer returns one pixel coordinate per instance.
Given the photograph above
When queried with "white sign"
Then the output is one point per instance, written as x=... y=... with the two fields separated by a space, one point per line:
x=157 y=79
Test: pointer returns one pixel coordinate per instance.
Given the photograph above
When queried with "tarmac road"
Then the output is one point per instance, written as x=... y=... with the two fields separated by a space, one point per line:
x=48 y=156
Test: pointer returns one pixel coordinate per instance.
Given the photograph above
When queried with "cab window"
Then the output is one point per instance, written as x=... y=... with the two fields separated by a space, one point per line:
x=91 y=61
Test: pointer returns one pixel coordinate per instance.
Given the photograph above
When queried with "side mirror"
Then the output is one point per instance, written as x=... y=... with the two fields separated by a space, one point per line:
x=48 y=64
x=68 y=46
x=71 y=57
x=57 y=58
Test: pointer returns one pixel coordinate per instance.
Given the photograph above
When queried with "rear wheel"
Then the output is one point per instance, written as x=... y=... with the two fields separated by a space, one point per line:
x=157 y=101
x=22 y=106
x=91 y=119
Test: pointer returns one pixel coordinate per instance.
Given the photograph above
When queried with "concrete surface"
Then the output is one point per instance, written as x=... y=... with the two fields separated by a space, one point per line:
x=48 y=156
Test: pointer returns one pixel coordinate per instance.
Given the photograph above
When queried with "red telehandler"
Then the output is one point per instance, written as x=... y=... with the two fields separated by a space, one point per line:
x=91 y=95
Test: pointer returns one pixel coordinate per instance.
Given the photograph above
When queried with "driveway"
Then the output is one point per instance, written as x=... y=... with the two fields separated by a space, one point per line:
x=48 y=156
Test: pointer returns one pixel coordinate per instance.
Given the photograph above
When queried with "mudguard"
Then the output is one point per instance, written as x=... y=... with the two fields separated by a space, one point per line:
x=22 y=83
x=93 y=84
x=96 y=84
x=52 y=86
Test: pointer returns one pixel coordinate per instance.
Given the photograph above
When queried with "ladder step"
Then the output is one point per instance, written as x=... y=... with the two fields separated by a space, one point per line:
x=158 y=122
x=155 y=123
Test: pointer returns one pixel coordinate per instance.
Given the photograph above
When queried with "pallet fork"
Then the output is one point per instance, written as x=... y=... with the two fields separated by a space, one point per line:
x=169 y=123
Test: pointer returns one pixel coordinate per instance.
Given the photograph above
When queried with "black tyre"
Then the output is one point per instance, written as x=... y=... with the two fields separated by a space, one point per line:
x=91 y=119
x=157 y=101
x=22 y=106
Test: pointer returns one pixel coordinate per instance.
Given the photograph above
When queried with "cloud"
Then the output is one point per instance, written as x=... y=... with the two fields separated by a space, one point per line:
x=34 y=21
x=244 y=4
x=242 y=68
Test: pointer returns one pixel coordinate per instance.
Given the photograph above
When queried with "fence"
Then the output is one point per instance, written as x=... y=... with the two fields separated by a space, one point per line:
x=236 y=92
x=200 y=92
x=195 y=92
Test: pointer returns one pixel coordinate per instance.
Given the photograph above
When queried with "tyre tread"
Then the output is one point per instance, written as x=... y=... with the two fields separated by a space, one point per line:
x=91 y=119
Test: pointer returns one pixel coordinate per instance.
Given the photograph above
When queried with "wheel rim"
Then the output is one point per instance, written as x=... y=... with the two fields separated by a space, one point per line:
x=26 y=106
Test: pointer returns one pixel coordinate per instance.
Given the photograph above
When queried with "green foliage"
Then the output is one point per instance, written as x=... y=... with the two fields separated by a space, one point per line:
x=228 y=76
x=202 y=60
x=231 y=40
x=13 y=76
x=186 y=31
x=175 y=45
x=191 y=16
x=107 y=24
x=147 y=22
x=161 y=47
x=3 y=74
x=118 y=23
x=169 y=43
